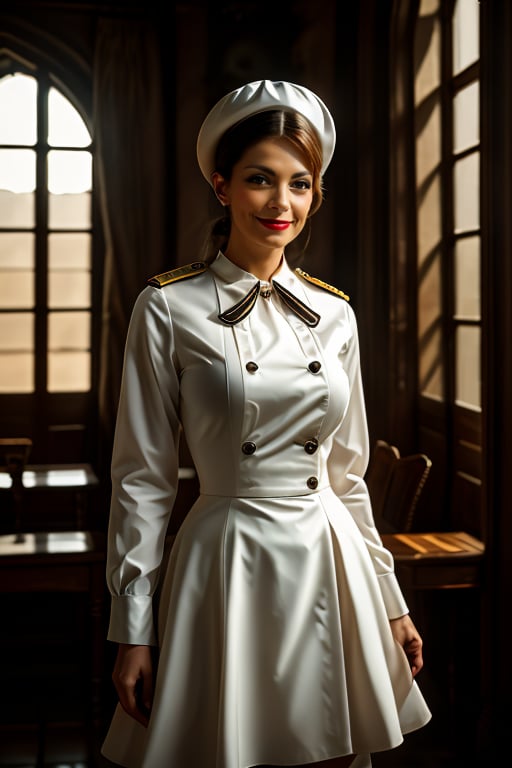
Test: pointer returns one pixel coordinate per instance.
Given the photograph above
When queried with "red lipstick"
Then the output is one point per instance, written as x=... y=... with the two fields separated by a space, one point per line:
x=275 y=224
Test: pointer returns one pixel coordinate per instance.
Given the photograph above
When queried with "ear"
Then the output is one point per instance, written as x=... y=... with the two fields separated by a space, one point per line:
x=220 y=186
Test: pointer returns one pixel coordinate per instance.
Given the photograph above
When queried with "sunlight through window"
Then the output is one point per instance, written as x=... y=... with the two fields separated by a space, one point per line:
x=45 y=192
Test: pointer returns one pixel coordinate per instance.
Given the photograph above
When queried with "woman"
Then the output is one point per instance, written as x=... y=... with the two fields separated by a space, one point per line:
x=283 y=637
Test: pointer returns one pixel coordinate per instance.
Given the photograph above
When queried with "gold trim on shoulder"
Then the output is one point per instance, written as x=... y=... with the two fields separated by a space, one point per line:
x=180 y=273
x=321 y=284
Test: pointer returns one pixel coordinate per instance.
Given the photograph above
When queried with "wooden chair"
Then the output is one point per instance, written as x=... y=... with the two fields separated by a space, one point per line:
x=439 y=572
x=395 y=483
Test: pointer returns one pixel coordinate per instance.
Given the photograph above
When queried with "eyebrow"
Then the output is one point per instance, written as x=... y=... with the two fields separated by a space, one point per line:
x=266 y=169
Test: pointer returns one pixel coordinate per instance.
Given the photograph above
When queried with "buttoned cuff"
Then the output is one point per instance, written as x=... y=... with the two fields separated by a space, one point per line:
x=392 y=595
x=131 y=620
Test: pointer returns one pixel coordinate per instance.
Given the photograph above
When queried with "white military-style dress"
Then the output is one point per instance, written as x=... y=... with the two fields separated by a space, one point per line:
x=271 y=614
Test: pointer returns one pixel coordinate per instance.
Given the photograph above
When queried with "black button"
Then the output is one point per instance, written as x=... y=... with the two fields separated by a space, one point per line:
x=248 y=448
x=251 y=366
x=315 y=366
x=312 y=483
x=310 y=446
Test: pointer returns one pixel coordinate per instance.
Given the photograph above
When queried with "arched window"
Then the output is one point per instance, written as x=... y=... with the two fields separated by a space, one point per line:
x=47 y=297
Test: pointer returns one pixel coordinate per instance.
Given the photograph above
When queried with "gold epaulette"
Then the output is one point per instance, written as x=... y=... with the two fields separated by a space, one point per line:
x=321 y=284
x=180 y=273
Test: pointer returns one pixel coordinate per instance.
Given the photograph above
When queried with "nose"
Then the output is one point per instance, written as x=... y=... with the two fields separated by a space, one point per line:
x=279 y=201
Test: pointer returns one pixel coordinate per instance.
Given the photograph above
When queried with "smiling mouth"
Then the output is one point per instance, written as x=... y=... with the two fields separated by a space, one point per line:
x=275 y=224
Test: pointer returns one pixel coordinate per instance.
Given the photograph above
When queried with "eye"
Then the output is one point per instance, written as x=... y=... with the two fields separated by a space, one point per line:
x=302 y=184
x=257 y=178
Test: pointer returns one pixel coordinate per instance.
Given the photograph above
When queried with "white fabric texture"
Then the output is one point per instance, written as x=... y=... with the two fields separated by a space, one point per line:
x=272 y=611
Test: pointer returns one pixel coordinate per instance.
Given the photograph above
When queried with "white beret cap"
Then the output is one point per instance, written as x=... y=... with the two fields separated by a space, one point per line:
x=260 y=96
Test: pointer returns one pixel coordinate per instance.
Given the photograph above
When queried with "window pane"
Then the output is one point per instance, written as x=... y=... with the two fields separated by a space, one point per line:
x=466 y=49
x=69 y=331
x=71 y=250
x=16 y=250
x=17 y=210
x=467 y=373
x=69 y=211
x=16 y=352
x=17 y=170
x=16 y=373
x=69 y=184
x=467 y=278
x=16 y=332
x=466 y=193
x=69 y=172
x=69 y=289
x=466 y=118
x=17 y=184
x=17 y=289
x=16 y=270
x=65 y=125
x=18 y=109
x=68 y=371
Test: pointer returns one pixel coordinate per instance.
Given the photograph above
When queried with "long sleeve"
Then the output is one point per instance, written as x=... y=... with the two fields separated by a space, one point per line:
x=144 y=469
x=348 y=462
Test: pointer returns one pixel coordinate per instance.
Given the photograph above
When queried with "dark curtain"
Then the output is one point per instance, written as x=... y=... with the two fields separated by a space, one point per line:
x=129 y=141
x=373 y=202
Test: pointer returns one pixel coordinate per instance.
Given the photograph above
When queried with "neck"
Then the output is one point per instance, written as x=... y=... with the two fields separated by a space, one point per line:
x=261 y=267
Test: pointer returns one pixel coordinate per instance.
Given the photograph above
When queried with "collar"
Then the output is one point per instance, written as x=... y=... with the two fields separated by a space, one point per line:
x=239 y=291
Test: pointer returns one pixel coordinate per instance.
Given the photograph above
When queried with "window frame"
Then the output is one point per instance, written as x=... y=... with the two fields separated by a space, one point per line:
x=62 y=425
x=451 y=430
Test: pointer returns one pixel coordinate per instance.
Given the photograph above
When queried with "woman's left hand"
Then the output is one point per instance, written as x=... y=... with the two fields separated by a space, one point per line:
x=409 y=638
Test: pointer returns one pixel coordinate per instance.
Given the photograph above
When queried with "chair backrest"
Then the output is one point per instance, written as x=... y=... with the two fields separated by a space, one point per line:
x=378 y=475
x=395 y=484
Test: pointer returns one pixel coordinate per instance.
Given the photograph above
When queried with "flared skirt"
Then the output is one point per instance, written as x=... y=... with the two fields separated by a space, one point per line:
x=274 y=643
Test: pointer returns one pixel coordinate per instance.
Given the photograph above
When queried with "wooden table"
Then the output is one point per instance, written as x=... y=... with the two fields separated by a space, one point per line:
x=63 y=562
x=436 y=560
x=74 y=480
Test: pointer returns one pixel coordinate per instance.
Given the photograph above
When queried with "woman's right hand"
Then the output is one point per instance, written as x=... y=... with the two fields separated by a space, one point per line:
x=133 y=680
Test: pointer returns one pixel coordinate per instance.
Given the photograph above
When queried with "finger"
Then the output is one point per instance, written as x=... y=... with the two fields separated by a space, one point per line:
x=131 y=707
x=128 y=699
x=416 y=663
x=146 y=697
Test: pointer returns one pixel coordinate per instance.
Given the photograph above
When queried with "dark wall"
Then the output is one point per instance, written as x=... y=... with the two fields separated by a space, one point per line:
x=235 y=43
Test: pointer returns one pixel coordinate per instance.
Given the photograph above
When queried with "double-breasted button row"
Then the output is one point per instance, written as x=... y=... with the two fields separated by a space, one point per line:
x=314 y=366
x=310 y=446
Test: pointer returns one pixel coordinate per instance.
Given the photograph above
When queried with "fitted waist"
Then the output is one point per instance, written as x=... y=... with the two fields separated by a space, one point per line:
x=276 y=476
x=263 y=492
